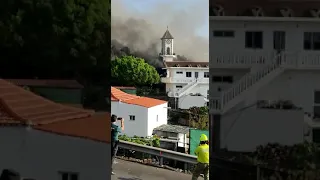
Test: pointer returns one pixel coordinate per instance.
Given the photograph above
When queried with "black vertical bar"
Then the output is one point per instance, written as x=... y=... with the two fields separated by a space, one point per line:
x=215 y=132
x=214 y=141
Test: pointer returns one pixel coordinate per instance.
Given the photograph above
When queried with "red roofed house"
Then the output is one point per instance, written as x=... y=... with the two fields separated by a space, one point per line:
x=45 y=140
x=141 y=114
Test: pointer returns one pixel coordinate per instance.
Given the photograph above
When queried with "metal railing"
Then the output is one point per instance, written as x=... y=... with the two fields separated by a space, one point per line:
x=161 y=153
x=221 y=168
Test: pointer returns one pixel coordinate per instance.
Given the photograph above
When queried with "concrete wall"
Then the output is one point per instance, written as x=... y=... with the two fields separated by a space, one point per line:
x=186 y=102
x=247 y=129
x=294 y=36
x=297 y=86
x=146 y=119
x=139 y=126
x=42 y=155
x=172 y=72
x=157 y=116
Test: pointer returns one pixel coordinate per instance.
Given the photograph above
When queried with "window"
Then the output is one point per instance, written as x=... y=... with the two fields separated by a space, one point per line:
x=179 y=72
x=168 y=50
x=316 y=106
x=311 y=41
x=68 y=176
x=178 y=86
x=206 y=75
x=223 y=33
x=222 y=79
x=316 y=135
x=132 y=118
x=188 y=74
x=254 y=40
x=157 y=118
x=279 y=40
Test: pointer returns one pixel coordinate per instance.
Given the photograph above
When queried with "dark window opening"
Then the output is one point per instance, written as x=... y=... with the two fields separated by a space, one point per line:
x=188 y=74
x=254 y=40
x=311 y=41
x=279 y=39
x=206 y=75
x=222 y=79
x=317 y=97
x=168 y=50
x=223 y=33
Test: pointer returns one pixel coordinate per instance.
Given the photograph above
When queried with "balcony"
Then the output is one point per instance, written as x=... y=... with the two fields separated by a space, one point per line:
x=294 y=60
x=169 y=80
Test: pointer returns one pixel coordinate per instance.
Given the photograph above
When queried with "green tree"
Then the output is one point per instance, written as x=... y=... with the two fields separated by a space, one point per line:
x=54 y=38
x=133 y=71
x=199 y=117
x=58 y=39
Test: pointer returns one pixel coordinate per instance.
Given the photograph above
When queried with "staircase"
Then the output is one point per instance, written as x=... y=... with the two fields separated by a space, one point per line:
x=186 y=88
x=250 y=83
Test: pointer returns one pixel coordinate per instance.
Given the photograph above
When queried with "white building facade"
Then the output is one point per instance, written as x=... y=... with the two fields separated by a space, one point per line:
x=141 y=114
x=260 y=59
x=42 y=155
x=187 y=82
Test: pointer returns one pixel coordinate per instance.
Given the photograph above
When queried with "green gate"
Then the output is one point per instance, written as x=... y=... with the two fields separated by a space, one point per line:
x=194 y=138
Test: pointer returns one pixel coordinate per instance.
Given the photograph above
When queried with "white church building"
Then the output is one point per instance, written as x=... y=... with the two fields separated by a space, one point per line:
x=265 y=74
x=186 y=81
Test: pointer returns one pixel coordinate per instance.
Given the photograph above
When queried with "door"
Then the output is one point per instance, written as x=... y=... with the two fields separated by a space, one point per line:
x=196 y=74
x=279 y=44
x=279 y=41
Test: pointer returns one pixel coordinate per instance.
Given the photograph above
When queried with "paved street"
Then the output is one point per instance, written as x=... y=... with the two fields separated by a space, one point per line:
x=126 y=170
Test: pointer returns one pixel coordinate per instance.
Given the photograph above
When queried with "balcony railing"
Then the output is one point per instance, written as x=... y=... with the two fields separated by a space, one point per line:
x=183 y=80
x=297 y=60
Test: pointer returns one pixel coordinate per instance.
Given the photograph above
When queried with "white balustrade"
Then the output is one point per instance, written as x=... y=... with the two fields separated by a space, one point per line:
x=294 y=59
x=183 y=80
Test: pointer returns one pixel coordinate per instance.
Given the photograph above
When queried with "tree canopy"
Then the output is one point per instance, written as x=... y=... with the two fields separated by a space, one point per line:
x=133 y=71
x=199 y=117
x=54 y=38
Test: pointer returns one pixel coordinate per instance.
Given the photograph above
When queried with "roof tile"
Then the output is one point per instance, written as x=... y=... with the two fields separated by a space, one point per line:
x=19 y=107
x=118 y=95
x=93 y=128
x=21 y=103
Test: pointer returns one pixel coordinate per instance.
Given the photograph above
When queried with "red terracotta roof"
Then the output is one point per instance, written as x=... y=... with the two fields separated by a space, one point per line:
x=118 y=95
x=21 y=107
x=27 y=107
x=186 y=64
x=145 y=102
x=93 y=128
x=46 y=83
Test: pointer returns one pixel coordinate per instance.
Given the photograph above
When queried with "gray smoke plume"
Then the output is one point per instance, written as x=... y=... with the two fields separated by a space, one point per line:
x=139 y=34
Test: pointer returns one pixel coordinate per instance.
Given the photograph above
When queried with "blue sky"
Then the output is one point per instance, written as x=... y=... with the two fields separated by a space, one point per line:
x=144 y=6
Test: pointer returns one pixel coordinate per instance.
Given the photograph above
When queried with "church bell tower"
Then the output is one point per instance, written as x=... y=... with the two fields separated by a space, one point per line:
x=167 y=53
